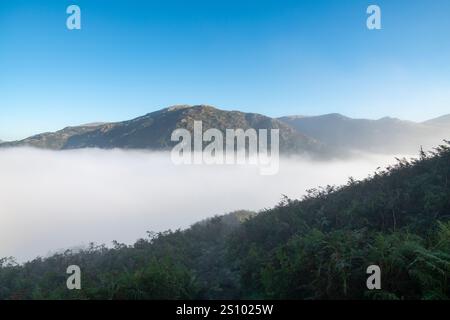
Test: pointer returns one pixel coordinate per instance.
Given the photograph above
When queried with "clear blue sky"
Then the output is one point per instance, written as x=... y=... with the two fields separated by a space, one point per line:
x=273 y=57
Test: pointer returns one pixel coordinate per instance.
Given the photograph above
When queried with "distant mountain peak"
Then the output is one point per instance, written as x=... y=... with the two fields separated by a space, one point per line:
x=440 y=121
x=389 y=119
x=335 y=116
x=385 y=135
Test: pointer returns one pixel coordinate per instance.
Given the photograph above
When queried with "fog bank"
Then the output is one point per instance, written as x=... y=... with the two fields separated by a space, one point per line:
x=51 y=200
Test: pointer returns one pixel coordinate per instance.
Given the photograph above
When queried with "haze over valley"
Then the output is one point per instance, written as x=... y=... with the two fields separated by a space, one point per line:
x=53 y=200
x=115 y=181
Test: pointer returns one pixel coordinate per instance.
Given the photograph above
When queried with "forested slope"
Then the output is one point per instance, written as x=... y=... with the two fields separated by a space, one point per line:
x=315 y=248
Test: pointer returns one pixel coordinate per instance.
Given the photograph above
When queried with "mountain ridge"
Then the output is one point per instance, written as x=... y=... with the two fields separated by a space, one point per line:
x=332 y=134
x=384 y=135
x=440 y=121
x=153 y=131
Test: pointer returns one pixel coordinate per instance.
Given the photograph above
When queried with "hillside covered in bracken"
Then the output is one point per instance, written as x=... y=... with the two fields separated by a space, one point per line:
x=315 y=248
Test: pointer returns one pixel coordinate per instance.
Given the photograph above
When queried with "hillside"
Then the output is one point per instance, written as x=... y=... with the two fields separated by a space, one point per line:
x=386 y=135
x=153 y=131
x=315 y=248
x=51 y=140
x=443 y=121
x=325 y=135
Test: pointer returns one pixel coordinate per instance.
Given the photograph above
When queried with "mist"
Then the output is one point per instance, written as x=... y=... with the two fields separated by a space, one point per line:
x=52 y=200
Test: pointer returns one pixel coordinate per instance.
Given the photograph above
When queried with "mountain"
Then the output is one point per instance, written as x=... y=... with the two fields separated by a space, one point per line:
x=317 y=248
x=153 y=131
x=443 y=121
x=51 y=140
x=324 y=135
x=386 y=135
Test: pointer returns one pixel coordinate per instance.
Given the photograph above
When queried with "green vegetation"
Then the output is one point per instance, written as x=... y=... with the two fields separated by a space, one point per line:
x=315 y=248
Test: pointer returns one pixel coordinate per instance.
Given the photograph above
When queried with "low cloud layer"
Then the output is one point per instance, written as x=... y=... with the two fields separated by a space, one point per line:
x=51 y=200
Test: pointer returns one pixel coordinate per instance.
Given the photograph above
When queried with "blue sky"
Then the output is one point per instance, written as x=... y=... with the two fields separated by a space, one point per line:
x=273 y=57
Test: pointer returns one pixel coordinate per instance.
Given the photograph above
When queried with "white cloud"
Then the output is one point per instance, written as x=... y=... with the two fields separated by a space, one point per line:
x=58 y=199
